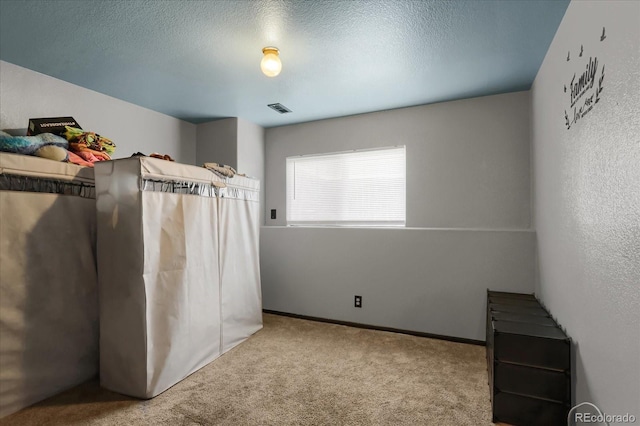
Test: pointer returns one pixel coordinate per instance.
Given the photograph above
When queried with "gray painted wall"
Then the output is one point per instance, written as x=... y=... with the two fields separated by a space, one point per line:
x=250 y=148
x=251 y=155
x=26 y=94
x=216 y=142
x=587 y=200
x=426 y=280
x=235 y=142
x=467 y=168
x=467 y=161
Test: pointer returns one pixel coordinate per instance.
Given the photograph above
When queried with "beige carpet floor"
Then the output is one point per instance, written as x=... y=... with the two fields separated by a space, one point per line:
x=298 y=372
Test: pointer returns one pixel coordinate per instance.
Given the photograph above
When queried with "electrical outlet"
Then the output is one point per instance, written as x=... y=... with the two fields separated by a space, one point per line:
x=358 y=302
x=273 y=213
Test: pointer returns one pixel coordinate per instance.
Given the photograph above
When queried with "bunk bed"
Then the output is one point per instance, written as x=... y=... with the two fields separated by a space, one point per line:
x=142 y=270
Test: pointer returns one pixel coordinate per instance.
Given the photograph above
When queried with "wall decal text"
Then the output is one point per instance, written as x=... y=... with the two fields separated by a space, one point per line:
x=582 y=92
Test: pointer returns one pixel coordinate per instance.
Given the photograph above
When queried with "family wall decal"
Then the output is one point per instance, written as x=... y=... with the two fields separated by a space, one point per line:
x=582 y=96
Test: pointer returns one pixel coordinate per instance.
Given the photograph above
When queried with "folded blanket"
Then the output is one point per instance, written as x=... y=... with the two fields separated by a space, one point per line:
x=76 y=159
x=99 y=148
x=91 y=155
x=28 y=145
x=220 y=169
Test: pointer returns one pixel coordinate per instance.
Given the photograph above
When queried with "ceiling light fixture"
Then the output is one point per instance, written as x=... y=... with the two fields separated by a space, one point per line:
x=271 y=64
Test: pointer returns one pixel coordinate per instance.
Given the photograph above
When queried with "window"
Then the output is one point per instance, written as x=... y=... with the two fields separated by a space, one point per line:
x=357 y=188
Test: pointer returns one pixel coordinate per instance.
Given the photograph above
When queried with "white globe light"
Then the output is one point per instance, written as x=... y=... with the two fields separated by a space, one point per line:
x=271 y=64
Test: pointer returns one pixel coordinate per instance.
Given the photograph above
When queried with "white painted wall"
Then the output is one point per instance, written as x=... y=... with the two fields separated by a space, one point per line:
x=216 y=142
x=587 y=200
x=28 y=94
x=467 y=168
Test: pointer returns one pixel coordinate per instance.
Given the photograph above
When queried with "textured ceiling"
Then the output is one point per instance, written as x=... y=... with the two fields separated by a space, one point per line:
x=199 y=60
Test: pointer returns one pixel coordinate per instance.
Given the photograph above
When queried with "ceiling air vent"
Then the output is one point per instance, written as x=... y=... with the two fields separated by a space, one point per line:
x=279 y=107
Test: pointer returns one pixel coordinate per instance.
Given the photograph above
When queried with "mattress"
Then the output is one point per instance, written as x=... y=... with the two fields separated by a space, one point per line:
x=26 y=165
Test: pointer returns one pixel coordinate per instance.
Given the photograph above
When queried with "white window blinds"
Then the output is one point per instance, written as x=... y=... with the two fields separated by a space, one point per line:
x=359 y=188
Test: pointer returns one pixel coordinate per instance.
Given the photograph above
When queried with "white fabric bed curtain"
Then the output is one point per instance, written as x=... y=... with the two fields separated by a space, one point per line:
x=170 y=289
x=180 y=274
x=239 y=218
x=48 y=280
